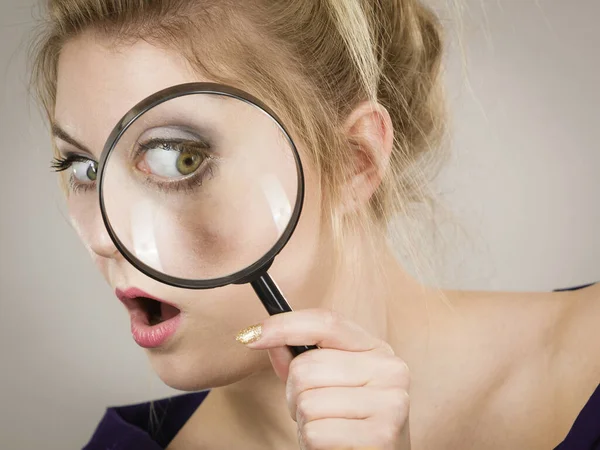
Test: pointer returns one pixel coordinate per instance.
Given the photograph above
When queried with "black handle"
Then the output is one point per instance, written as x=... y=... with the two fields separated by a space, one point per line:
x=275 y=303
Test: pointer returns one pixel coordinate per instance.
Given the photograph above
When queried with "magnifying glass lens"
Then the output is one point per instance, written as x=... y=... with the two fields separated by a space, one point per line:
x=201 y=187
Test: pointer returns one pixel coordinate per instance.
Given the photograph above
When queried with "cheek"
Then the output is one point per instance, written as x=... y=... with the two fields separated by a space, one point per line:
x=302 y=269
x=82 y=217
x=85 y=219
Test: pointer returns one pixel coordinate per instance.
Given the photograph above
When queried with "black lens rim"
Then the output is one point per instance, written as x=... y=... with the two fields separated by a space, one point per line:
x=249 y=273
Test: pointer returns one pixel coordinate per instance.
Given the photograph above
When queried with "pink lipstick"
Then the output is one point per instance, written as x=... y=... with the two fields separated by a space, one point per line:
x=153 y=320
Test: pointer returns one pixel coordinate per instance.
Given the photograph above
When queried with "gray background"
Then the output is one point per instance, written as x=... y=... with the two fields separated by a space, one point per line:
x=523 y=186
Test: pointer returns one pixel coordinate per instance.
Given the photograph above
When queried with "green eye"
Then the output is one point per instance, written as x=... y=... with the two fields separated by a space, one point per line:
x=85 y=171
x=92 y=172
x=172 y=160
x=188 y=162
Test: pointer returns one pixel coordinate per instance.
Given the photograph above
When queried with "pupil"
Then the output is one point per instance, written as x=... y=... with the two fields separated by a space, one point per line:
x=188 y=162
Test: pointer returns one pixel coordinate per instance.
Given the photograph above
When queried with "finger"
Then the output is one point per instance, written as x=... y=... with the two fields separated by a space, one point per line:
x=323 y=328
x=281 y=357
x=343 y=433
x=336 y=368
x=340 y=368
x=352 y=403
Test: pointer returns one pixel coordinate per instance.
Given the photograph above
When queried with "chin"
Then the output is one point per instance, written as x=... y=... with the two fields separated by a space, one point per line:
x=189 y=371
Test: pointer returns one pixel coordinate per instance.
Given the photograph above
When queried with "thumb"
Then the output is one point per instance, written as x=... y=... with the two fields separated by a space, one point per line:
x=281 y=357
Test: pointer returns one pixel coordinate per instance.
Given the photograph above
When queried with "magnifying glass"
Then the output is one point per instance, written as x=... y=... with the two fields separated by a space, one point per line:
x=201 y=186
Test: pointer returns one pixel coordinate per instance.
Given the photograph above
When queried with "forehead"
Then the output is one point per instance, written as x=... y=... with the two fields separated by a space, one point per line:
x=97 y=84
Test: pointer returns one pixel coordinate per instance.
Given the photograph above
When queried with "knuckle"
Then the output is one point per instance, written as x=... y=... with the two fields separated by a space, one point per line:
x=403 y=406
x=290 y=395
x=398 y=408
x=295 y=367
x=331 y=319
x=304 y=407
x=291 y=387
x=400 y=399
x=387 y=433
x=387 y=348
x=310 y=436
x=399 y=369
x=301 y=372
x=405 y=398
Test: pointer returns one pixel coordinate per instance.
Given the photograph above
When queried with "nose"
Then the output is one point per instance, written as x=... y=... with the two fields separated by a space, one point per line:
x=101 y=244
x=90 y=228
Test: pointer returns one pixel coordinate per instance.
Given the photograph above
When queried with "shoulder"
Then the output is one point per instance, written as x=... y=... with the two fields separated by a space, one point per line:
x=552 y=324
x=531 y=359
x=577 y=357
x=537 y=353
x=554 y=332
x=517 y=326
x=491 y=347
x=576 y=367
x=581 y=333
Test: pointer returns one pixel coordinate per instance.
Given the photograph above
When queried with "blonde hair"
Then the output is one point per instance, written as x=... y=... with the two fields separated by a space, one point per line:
x=312 y=61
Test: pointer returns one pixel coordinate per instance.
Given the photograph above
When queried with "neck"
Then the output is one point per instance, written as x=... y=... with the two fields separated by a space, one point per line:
x=257 y=406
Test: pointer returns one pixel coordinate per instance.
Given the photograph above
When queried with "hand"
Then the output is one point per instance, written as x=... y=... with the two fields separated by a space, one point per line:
x=350 y=393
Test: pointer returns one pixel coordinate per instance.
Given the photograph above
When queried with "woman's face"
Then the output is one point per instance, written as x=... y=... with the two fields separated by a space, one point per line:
x=189 y=335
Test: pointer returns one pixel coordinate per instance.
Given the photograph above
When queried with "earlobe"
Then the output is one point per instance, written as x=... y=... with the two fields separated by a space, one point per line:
x=370 y=131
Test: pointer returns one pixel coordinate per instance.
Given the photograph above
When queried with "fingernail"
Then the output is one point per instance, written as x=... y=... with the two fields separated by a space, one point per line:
x=249 y=335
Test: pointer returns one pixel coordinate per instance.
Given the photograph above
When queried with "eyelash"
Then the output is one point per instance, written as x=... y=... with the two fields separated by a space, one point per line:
x=81 y=187
x=62 y=164
x=186 y=184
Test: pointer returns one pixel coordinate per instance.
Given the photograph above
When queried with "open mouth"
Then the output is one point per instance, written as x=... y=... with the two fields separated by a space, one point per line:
x=153 y=321
x=156 y=312
x=151 y=310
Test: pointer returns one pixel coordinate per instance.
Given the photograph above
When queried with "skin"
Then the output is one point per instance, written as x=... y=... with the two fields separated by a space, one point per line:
x=494 y=370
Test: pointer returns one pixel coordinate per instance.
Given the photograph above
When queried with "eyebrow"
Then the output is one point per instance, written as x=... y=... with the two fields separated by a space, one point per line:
x=61 y=134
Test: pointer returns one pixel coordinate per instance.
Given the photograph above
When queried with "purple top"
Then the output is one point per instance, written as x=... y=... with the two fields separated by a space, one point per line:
x=131 y=427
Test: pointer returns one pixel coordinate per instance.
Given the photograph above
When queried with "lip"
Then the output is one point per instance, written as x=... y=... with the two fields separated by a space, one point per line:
x=144 y=334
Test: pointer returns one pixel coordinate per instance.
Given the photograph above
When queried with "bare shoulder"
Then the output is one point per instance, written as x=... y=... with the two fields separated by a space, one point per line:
x=556 y=332
x=516 y=325
x=534 y=321
x=578 y=346
x=534 y=355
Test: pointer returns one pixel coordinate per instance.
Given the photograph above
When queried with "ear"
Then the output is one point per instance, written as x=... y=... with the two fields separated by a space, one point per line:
x=371 y=134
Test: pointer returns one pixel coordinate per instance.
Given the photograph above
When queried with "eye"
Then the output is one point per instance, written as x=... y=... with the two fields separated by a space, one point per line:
x=166 y=161
x=85 y=171
x=82 y=171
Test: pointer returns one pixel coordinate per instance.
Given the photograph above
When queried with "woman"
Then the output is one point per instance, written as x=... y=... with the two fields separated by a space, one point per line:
x=358 y=84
